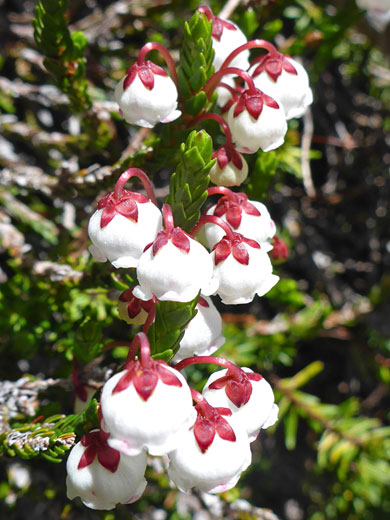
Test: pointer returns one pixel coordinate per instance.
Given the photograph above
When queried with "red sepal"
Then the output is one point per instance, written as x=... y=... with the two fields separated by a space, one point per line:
x=250 y=242
x=109 y=458
x=87 y=457
x=240 y=253
x=274 y=66
x=160 y=241
x=203 y=302
x=131 y=74
x=204 y=432
x=253 y=376
x=166 y=376
x=180 y=240
x=128 y=208
x=219 y=383
x=224 y=430
x=145 y=381
x=222 y=250
x=253 y=102
x=146 y=77
x=222 y=156
x=219 y=25
x=124 y=381
x=239 y=392
x=108 y=214
x=280 y=249
x=254 y=105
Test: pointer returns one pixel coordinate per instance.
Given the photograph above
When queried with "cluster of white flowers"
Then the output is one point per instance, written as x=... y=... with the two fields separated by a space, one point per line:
x=147 y=408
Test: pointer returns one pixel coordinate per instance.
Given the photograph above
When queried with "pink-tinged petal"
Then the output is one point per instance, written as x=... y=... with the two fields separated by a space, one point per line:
x=128 y=208
x=160 y=241
x=156 y=69
x=233 y=216
x=273 y=68
x=238 y=392
x=289 y=67
x=124 y=381
x=270 y=102
x=222 y=251
x=131 y=74
x=146 y=76
x=145 y=383
x=109 y=458
x=240 y=253
x=224 y=430
x=204 y=432
x=254 y=377
x=219 y=383
x=203 y=302
x=108 y=214
x=166 y=376
x=87 y=457
x=180 y=240
x=254 y=105
x=251 y=242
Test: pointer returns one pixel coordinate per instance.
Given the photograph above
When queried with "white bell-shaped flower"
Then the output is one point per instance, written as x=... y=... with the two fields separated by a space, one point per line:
x=250 y=218
x=373 y=4
x=121 y=228
x=203 y=335
x=243 y=269
x=257 y=121
x=226 y=38
x=146 y=407
x=285 y=80
x=175 y=268
x=224 y=93
x=260 y=411
x=212 y=455
x=230 y=169
x=147 y=95
x=101 y=476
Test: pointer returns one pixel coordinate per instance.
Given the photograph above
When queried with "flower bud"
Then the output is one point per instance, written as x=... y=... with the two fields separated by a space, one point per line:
x=258 y=412
x=247 y=217
x=175 y=268
x=256 y=121
x=146 y=408
x=121 y=228
x=147 y=96
x=285 y=80
x=101 y=476
x=203 y=335
x=242 y=269
x=231 y=169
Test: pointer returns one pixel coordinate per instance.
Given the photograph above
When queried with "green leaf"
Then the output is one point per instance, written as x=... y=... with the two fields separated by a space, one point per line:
x=196 y=58
x=263 y=171
x=291 y=428
x=168 y=327
x=88 y=341
x=188 y=185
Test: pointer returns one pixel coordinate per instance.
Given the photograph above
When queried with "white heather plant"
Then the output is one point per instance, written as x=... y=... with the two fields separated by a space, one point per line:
x=147 y=407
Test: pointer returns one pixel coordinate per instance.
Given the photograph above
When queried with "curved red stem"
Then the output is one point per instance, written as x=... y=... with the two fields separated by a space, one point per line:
x=134 y=172
x=212 y=83
x=234 y=369
x=221 y=190
x=212 y=219
x=252 y=44
x=154 y=46
x=219 y=119
x=140 y=342
x=168 y=217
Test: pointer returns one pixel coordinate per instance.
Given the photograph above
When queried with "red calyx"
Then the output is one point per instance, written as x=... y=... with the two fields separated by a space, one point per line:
x=233 y=208
x=210 y=422
x=225 y=154
x=179 y=238
x=253 y=102
x=274 y=66
x=236 y=246
x=145 y=72
x=96 y=444
x=134 y=305
x=203 y=302
x=125 y=206
x=218 y=26
x=280 y=249
x=145 y=379
x=237 y=386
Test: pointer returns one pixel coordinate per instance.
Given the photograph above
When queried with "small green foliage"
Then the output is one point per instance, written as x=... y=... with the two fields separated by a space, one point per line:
x=188 y=185
x=168 y=328
x=63 y=51
x=196 y=58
